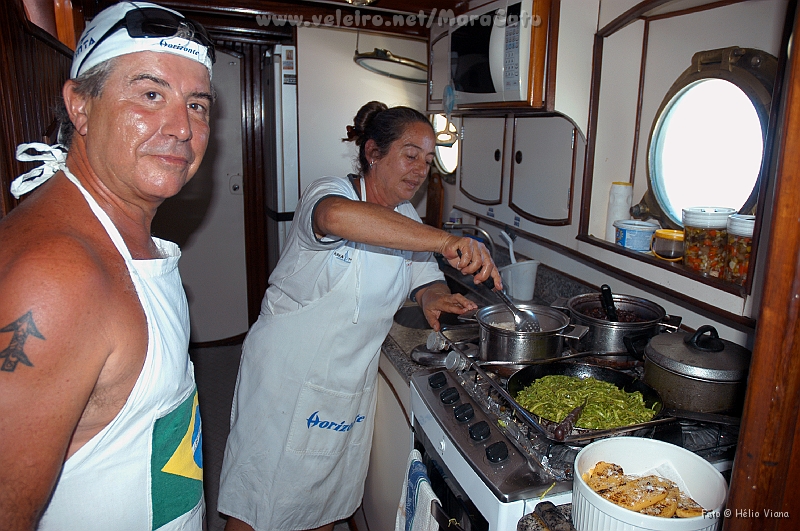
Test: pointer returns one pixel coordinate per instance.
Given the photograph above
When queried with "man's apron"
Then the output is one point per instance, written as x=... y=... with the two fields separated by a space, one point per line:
x=303 y=412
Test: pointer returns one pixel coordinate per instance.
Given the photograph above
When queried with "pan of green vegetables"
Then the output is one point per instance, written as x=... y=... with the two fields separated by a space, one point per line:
x=615 y=401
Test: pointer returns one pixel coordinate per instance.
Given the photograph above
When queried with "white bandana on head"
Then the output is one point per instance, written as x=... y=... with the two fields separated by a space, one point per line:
x=96 y=47
x=54 y=158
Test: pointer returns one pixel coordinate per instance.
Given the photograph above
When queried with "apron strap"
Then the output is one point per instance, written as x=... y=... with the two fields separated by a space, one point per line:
x=358 y=260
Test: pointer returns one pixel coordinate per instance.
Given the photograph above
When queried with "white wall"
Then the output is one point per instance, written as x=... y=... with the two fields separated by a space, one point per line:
x=331 y=88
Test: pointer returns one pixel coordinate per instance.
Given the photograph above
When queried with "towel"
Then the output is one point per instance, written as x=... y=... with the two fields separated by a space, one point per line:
x=414 y=511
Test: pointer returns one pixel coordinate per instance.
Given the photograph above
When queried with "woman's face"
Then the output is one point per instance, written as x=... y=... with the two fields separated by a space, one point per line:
x=397 y=176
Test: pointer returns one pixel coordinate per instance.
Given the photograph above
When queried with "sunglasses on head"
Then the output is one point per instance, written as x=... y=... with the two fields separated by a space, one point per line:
x=154 y=22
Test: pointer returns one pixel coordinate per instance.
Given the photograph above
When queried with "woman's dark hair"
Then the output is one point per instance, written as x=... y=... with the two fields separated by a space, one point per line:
x=375 y=121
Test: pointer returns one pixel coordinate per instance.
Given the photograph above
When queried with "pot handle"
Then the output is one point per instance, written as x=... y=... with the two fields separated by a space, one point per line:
x=635 y=344
x=671 y=323
x=469 y=317
x=574 y=332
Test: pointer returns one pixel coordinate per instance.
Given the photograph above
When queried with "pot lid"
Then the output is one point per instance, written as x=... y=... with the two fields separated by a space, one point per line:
x=700 y=355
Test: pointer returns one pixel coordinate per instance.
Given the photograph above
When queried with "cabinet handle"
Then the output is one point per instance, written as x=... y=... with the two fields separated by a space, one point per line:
x=518 y=157
x=497 y=155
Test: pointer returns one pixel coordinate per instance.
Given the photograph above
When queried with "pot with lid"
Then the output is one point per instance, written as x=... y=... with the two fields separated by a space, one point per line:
x=697 y=372
x=637 y=320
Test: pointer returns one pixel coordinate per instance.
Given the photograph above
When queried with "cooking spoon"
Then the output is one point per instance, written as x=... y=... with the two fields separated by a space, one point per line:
x=524 y=320
x=564 y=427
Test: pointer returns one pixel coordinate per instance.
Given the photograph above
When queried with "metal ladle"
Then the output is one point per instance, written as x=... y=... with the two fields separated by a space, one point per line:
x=524 y=320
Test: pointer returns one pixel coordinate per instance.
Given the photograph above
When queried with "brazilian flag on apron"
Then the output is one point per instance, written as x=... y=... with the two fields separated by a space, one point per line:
x=176 y=465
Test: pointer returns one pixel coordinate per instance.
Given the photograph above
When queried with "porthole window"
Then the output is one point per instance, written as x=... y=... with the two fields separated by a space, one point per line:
x=446 y=144
x=707 y=141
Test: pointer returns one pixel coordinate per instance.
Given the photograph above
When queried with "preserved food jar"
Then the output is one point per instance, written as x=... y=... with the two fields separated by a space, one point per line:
x=705 y=239
x=740 y=243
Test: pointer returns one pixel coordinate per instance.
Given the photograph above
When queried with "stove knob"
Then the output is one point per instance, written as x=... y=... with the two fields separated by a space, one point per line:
x=497 y=452
x=464 y=412
x=449 y=396
x=437 y=380
x=479 y=431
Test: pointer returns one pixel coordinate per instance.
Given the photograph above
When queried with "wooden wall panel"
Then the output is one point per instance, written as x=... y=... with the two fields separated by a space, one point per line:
x=33 y=68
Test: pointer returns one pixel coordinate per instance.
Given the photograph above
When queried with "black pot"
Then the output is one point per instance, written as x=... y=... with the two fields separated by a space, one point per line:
x=697 y=372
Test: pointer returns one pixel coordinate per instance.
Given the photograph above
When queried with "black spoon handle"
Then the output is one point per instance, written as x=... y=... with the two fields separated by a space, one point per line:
x=608 y=302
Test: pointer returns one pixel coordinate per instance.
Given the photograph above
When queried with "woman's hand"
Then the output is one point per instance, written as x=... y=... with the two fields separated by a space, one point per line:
x=437 y=298
x=471 y=257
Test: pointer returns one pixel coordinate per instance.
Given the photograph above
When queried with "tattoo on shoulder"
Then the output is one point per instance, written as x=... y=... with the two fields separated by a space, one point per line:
x=14 y=353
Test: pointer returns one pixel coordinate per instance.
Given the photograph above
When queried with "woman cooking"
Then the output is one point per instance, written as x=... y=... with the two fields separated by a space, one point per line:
x=302 y=418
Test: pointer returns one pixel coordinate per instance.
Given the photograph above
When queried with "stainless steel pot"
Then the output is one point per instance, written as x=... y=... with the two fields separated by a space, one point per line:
x=500 y=342
x=618 y=337
x=697 y=372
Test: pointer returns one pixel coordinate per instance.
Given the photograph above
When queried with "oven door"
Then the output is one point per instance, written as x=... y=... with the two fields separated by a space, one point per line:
x=455 y=503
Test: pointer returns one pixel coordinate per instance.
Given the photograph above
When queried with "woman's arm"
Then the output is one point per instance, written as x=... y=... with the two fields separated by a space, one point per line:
x=378 y=225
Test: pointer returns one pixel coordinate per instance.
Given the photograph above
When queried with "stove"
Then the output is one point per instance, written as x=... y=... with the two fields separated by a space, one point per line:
x=495 y=462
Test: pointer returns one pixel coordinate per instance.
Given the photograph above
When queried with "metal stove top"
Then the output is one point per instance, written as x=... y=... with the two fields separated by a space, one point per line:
x=508 y=454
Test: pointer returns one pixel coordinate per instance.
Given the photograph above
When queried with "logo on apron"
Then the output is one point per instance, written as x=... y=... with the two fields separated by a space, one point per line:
x=314 y=422
x=176 y=465
x=343 y=255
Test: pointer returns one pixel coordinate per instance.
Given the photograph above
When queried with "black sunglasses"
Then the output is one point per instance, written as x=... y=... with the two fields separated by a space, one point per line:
x=154 y=22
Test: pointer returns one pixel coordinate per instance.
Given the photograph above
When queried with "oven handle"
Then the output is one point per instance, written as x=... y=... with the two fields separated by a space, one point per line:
x=444 y=521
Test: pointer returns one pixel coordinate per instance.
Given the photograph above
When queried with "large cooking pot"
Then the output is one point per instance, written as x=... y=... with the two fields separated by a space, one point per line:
x=525 y=377
x=500 y=342
x=697 y=372
x=618 y=337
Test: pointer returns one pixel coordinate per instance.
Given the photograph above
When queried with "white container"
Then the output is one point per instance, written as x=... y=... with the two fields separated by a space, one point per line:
x=639 y=456
x=634 y=234
x=519 y=279
x=619 y=206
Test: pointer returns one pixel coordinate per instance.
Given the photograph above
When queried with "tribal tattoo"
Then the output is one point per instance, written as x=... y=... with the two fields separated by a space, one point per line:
x=15 y=353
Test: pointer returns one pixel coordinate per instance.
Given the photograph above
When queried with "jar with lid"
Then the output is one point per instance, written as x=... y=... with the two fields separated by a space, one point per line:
x=667 y=244
x=740 y=244
x=705 y=239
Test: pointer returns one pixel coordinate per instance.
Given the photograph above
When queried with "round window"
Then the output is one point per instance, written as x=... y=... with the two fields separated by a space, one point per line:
x=446 y=144
x=707 y=141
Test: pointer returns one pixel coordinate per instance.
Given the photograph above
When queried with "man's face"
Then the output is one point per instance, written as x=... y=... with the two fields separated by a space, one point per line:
x=148 y=130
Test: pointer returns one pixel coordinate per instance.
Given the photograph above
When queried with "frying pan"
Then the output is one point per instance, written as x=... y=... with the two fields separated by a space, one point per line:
x=525 y=377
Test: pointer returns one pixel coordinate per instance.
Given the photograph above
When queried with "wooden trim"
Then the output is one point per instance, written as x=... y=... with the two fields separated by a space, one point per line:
x=591 y=133
x=637 y=128
x=768 y=457
x=552 y=56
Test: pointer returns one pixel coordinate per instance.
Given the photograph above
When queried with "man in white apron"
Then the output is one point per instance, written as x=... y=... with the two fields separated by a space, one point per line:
x=303 y=415
x=99 y=418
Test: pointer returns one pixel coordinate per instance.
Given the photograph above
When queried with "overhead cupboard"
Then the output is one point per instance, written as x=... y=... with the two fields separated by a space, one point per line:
x=540 y=163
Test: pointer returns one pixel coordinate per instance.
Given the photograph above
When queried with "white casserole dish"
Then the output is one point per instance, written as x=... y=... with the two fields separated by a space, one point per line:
x=638 y=456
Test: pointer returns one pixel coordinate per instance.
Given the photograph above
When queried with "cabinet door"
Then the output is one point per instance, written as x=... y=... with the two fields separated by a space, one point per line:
x=542 y=171
x=481 y=167
x=438 y=67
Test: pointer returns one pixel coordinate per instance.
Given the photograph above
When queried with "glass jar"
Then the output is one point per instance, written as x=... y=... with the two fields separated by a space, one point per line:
x=705 y=239
x=667 y=244
x=739 y=246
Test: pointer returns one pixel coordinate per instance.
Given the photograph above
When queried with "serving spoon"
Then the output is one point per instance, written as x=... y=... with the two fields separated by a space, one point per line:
x=524 y=320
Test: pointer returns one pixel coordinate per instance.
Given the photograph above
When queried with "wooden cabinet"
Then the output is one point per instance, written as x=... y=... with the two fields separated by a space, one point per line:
x=543 y=169
x=482 y=160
